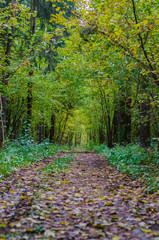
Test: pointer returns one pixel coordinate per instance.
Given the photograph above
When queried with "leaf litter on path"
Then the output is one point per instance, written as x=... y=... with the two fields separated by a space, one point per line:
x=91 y=200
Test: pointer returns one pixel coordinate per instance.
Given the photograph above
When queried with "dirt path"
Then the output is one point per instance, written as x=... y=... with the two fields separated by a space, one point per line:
x=90 y=201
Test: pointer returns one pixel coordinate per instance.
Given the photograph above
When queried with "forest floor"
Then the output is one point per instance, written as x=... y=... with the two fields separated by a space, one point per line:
x=91 y=200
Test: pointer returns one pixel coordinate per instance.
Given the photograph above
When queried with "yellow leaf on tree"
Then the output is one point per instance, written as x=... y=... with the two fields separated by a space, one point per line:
x=58 y=9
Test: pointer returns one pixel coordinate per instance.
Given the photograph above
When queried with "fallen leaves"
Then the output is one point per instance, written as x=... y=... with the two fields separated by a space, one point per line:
x=89 y=201
x=101 y=224
x=109 y=203
x=146 y=230
x=114 y=219
x=78 y=195
x=49 y=233
x=64 y=181
x=115 y=238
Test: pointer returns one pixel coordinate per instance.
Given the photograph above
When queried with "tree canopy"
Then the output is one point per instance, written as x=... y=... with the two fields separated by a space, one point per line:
x=75 y=71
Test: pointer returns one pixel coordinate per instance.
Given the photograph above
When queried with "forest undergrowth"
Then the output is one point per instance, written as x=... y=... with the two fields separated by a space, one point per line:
x=134 y=160
x=23 y=152
x=76 y=197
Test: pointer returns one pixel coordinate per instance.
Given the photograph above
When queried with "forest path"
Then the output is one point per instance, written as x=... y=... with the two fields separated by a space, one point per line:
x=91 y=200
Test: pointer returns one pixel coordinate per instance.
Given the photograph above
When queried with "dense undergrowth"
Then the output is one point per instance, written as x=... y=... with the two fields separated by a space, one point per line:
x=59 y=165
x=134 y=160
x=131 y=159
x=23 y=152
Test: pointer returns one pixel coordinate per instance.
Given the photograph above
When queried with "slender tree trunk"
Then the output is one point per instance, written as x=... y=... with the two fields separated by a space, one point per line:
x=41 y=132
x=128 y=121
x=145 y=115
x=29 y=104
x=3 y=120
x=52 y=129
x=30 y=84
x=101 y=134
x=123 y=117
x=76 y=137
x=5 y=80
x=115 y=127
x=145 y=123
x=3 y=114
x=63 y=131
x=70 y=139
x=109 y=132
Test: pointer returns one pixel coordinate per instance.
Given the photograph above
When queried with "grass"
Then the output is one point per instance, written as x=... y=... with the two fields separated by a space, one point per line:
x=130 y=159
x=135 y=161
x=59 y=165
x=23 y=152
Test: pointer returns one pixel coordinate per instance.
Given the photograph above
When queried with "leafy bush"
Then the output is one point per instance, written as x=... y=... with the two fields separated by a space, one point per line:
x=136 y=161
x=60 y=164
x=95 y=147
x=22 y=152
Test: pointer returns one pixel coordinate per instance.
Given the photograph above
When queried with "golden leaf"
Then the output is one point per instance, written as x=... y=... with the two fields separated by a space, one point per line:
x=64 y=181
x=146 y=230
x=109 y=203
x=103 y=198
x=57 y=9
x=115 y=238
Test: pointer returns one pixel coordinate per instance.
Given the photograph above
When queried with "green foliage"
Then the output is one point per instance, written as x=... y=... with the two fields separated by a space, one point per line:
x=78 y=82
x=23 y=152
x=93 y=146
x=60 y=164
x=135 y=161
x=90 y=145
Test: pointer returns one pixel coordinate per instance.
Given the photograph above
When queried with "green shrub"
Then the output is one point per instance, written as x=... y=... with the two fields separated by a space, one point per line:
x=60 y=164
x=136 y=161
x=22 y=152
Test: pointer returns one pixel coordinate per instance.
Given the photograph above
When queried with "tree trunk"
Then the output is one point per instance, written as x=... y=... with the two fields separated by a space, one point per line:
x=145 y=115
x=109 y=133
x=145 y=123
x=52 y=129
x=29 y=104
x=41 y=132
x=3 y=120
x=101 y=134
x=5 y=79
x=128 y=121
x=63 y=131
x=115 y=127
x=30 y=84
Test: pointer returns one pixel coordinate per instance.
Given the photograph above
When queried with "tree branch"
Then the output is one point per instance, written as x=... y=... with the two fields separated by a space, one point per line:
x=141 y=40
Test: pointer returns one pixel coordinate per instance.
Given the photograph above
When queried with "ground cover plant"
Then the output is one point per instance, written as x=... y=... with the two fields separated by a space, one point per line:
x=89 y=200
x=132 y=159
x=23 y=152
x=79 y=74
x=59 y=165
